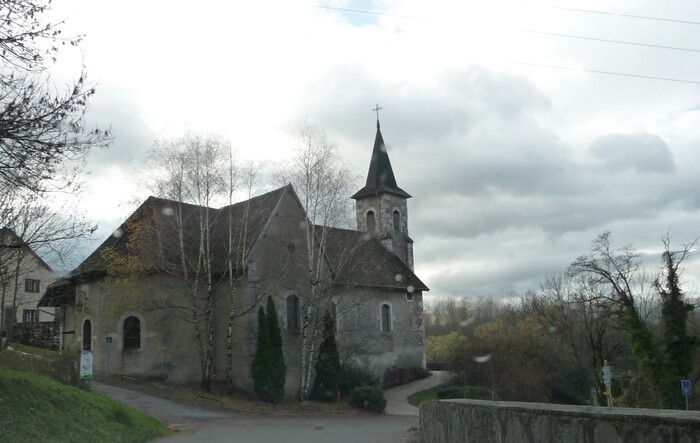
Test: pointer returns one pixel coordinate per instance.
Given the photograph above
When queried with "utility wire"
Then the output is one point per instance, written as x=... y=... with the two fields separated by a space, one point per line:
x=553 y=34
x=359 y=11
x=590 y=11
x=537 y=5
x=619 y=42
x=651 y=77
x=593 y=71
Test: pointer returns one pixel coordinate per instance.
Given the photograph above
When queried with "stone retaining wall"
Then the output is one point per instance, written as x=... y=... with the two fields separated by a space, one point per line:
x=510 y=422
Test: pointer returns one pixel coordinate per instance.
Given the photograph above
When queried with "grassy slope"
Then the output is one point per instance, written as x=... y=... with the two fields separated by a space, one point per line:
x=35 y=408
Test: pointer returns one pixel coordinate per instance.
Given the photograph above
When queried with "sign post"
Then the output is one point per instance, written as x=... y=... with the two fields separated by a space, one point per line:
x=108 y=340
x=607 y=380
x=687 y=390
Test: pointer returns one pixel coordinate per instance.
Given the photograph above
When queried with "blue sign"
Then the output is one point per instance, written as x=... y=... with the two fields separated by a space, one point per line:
x=685 y=387
x=109 y=339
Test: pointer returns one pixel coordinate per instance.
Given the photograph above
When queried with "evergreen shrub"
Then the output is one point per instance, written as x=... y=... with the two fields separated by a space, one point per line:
x=353 y=375
x=269 y=370
x=369 y=398
x=327 y=365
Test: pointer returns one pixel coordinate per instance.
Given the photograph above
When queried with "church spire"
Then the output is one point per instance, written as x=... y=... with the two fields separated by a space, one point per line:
x=380 y=177
x=381 y=206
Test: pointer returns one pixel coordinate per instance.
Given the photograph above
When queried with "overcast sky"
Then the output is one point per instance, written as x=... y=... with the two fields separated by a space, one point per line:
x=517 y=156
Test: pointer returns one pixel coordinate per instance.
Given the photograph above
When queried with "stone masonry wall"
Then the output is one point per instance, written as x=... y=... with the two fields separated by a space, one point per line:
x=510 y=422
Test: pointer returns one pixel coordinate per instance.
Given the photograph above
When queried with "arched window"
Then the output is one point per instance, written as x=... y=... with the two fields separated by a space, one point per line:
x=87 y=335
x=386 y=318
x=293 y=322
x=371 y=223
x=132 y=333
x=397 y=221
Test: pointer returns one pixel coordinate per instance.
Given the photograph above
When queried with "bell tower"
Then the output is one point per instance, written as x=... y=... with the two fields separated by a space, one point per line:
x=381 y=205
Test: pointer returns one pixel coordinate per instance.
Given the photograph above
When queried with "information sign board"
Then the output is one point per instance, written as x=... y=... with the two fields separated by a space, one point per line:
x=86 y=365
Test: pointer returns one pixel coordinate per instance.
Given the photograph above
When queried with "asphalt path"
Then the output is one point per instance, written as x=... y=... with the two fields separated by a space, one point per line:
x=157 y=406
x=201 y=424
x=379 y=429
x=397 y=397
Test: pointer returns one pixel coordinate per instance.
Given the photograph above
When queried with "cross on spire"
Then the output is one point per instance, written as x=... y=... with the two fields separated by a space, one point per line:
x=376 y=109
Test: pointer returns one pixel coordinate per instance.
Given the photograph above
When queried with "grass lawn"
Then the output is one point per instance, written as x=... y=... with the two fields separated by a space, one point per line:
x=34 y=351
x=419 y=397
x=34 y=408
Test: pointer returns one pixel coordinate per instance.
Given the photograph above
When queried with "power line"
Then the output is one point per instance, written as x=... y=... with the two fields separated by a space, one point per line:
x=563 y=8
x=359 y=11
x=619 y=42
x=593 y=71
x=553 y=34
x=591 y=11
x=650 y=77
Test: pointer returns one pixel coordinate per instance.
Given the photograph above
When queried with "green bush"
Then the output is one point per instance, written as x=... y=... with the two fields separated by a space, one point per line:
x=353 y=375
x=470 y=392
x=369 y=398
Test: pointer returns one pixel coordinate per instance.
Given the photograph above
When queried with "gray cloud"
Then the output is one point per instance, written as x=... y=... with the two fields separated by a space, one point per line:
x=499 y=200
x=132 y=135
x=639 y=152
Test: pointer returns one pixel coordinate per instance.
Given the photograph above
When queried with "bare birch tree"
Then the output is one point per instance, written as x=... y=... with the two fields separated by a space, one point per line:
x=323 y=184
x=212 y=245
x=190 y=172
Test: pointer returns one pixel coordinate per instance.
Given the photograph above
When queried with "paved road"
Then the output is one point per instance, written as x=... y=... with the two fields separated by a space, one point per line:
x=157 y=406
x=380 y=429
x=202 y=424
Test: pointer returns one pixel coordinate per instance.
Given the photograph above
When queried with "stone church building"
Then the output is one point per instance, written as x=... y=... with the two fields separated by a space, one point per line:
x=127 y=302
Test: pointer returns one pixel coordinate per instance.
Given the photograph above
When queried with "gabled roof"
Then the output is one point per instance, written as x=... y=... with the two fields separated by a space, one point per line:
x=380 y=177
x=361 y=260
x=160 y=217
x=10 y=239
x=364 y=261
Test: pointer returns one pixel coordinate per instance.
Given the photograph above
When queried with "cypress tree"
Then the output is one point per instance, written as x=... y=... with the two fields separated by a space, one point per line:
x=328 y=364
x=261 y=361
x=277 y=369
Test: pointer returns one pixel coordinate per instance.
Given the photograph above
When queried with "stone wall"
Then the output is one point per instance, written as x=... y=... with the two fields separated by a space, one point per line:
x=505 y=422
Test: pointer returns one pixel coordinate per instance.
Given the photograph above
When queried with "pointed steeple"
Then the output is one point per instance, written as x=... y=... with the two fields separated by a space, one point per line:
x=380 y=177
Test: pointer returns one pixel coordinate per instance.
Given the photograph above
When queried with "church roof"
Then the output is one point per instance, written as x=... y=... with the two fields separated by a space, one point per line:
x=356 y=258
x=380 y=178
x=156 y=220
x=361 y=260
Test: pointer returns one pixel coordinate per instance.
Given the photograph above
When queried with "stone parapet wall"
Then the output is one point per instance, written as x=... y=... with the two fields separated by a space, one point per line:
x=510 y=422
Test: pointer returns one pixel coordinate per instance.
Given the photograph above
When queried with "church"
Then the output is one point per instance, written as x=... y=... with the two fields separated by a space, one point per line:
x=141 y=311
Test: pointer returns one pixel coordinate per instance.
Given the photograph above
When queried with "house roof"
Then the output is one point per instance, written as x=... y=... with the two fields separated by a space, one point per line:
x=10 y=239
x=380 y=178
x=361 y=260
